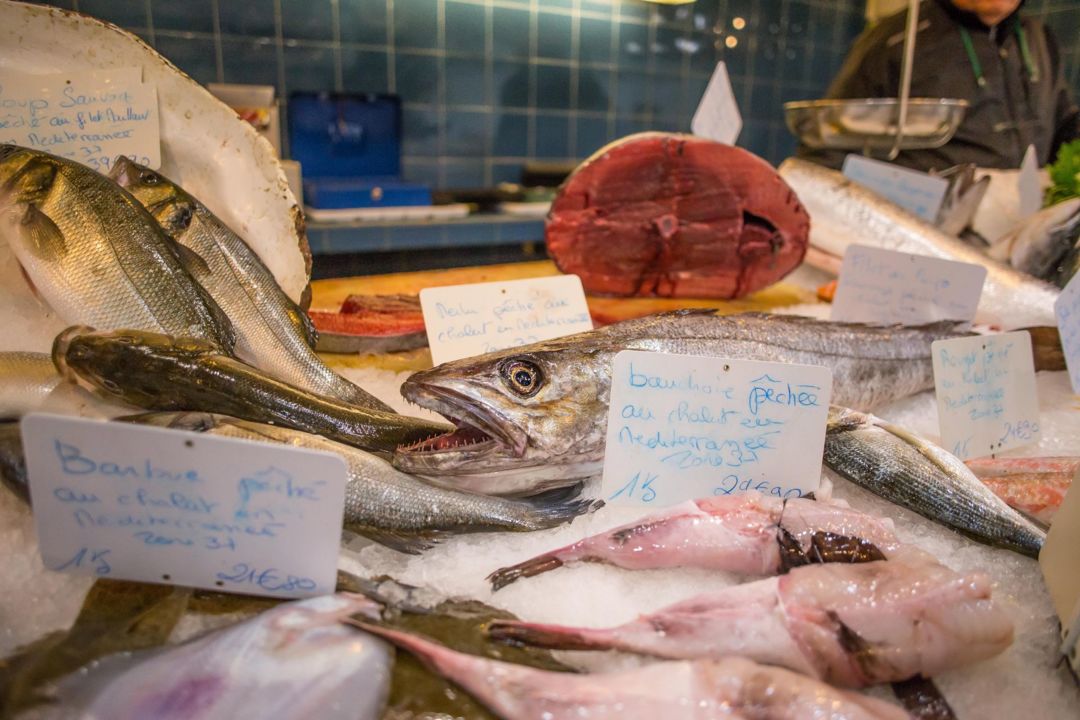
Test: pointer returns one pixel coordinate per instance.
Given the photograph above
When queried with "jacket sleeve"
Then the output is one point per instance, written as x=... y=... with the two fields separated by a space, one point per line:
x=1066 y=114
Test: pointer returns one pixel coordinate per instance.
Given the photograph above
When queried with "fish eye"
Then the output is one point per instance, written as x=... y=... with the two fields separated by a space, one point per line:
x=148 y=178
x=522 y=376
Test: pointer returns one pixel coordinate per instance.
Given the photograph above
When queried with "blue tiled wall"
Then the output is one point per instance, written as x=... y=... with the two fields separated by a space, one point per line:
x=488 y=84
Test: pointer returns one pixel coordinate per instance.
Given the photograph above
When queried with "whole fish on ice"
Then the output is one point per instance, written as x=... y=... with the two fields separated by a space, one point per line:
x=26 y=379
x=1040 y=243
x=848 y=624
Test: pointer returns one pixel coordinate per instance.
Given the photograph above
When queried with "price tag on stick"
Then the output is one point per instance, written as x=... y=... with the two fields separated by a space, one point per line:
x=682 y=427
x=1067 y=311
x=143 y=503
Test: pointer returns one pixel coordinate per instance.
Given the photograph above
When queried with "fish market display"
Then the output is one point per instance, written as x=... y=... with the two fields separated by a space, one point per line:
x=913 y=472
x=157 y=372
x=296 y=660
x=12 y=460
x=1039 y=244
x=535 y=416
x=371 y=324
x=272 y=332
x=695 y=690
x=752 y=534
x=96 y=255
x=676 y=216
x=26 y=379
x=849 y=624
x=386 y=505
x=845 y=213
x=1034 y=486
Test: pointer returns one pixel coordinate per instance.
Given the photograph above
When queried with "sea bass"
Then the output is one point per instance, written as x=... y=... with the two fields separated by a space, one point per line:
x=850 y=625
x=845 y=213
x=96 y=255
x=751 y=534
x=535 y=416
x=386 y=505
x=908 y=470
x=731 y=688
x=272 y=333
x=26 y=379
x=157 y=372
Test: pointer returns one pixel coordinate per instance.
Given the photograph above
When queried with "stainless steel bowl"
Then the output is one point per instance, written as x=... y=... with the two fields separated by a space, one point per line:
x=870 y=124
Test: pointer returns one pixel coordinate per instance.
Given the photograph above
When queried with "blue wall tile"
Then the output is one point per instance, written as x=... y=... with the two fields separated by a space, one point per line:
x=594 y=41
x=553 y=87
x=552 y=136
x=466 y=28
x=363 y=71
x=195 y=56
x=553 y=35
x=466 y=133
x=250 y=17
x=420 y=132
x=511 y=84
x=129 y=13
x=416 y=23
x=309 y=68
x=250 y=61
x=594 y=89
x=417 y=77
x=465 y=82
x=307 y=19
x=363 y=21
x=591 y=134
x=187 y=16
x=511 y=135
x=510 y=32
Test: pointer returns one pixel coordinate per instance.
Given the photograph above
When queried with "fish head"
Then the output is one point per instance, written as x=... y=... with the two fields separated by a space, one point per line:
x=536 y=410
x=132 y=365
x=26 y=176
x=171 y=206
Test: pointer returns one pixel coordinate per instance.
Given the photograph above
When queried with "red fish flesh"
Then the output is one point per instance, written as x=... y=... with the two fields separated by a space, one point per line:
x=371 y=323
x=1035 y=486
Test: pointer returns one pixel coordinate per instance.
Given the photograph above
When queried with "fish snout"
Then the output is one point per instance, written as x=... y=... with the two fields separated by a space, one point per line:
x=62 y=346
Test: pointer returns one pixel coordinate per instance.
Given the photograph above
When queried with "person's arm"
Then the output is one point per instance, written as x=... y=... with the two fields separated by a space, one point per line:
x=1066 y=114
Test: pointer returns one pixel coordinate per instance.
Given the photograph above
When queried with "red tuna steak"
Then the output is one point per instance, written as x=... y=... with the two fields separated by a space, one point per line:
x=676 y=216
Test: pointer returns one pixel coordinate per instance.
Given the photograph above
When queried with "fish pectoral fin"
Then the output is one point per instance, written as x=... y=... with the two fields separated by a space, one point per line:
x=408 y=543
x=304 y=325
x=193 y=262
x=46 y=239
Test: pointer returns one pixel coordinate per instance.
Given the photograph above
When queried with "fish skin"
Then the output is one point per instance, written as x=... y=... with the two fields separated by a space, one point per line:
x=748 y=534
x=384 y=504
x=851 y=625
x=272 y=332
x=157 y=372
x=731 y=688
x=1035 y=486
x=1039 y=244
x=912 y=472
x=844 y=213
x=26 y=380
x=557 y=433
x=96 y=255
x=13 y=461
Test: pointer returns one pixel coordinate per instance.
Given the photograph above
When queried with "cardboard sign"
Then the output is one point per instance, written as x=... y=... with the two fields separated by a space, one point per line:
x=682 y=427
x=1059 y=568
x=717 y=116
x=986 y=395
x=917 y=192
x=166 y=506
x=90 y=117
x=887 y=287
x=467 y=320
x=1067 y=311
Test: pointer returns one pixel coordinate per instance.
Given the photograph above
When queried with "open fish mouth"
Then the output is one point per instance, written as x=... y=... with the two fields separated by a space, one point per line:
x=477 y=429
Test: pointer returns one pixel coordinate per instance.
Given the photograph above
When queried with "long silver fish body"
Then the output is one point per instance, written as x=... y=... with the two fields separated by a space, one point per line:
x=910 y=471
x=385 y=504
x=26 y=380
x=272 y=332
x=96 y=255
x=844 y=213
x=535 y=416
x=295 y=661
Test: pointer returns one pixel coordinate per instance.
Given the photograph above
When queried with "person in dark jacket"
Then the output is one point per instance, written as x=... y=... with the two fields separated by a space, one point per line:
x=1007 y=66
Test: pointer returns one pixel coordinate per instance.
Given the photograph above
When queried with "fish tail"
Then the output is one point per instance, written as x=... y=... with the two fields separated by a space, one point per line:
x=1046 y=348
x=530 y=568
x=557 y=507
x=551 y=637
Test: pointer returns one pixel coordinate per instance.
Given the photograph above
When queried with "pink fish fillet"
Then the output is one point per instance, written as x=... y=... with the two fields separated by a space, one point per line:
x=751 y=534
x=851 y=625
x=1035 y=486
x=688 y=690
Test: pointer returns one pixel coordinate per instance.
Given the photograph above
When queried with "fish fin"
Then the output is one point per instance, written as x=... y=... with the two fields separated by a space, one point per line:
x=46 y=239
x=193 y=262
x=529 y=568
x=551 y=637
x=548 y=512
x=189 y=421
x=408 y=543
x=304 y=325
x=1046 y=348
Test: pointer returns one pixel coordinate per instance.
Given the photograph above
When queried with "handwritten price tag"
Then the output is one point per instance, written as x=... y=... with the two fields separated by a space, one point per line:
x=467 y=320
x=986 y=396
x=1067 y=311
x=916 y=192
x=88 y=117
x=682 y=427
x=717 y=116
x=885 y=286
x=167 y=506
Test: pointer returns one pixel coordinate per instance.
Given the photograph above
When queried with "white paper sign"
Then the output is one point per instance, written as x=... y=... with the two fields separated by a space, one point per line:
x=1027 y=184
x=467 y=320
x=156 y=505
x=986 y=396
x=88 y=117
x=1067 y=311
x=717 y=116
x=917 y=192
x=682 y=427
x=885 y=286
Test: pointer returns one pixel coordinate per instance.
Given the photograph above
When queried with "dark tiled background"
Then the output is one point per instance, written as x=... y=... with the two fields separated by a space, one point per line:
x=487 y=84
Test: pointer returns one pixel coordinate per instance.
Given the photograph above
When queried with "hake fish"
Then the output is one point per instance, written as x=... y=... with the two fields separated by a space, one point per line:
x=844 y=213
x=158 y=372
x=535 y=416
x=908 y=470
x=96 y=255
x=272 y=332
x=386 y=505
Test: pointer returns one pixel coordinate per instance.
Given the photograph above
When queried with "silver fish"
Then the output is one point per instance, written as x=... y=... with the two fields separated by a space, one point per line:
x=272 y=332
x=389 y=506
x=26 y=380
x=535 y=416
x=96 y=255
x=12 y=460
x=844 y=213
x=908 y=470
x=1039 y=244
